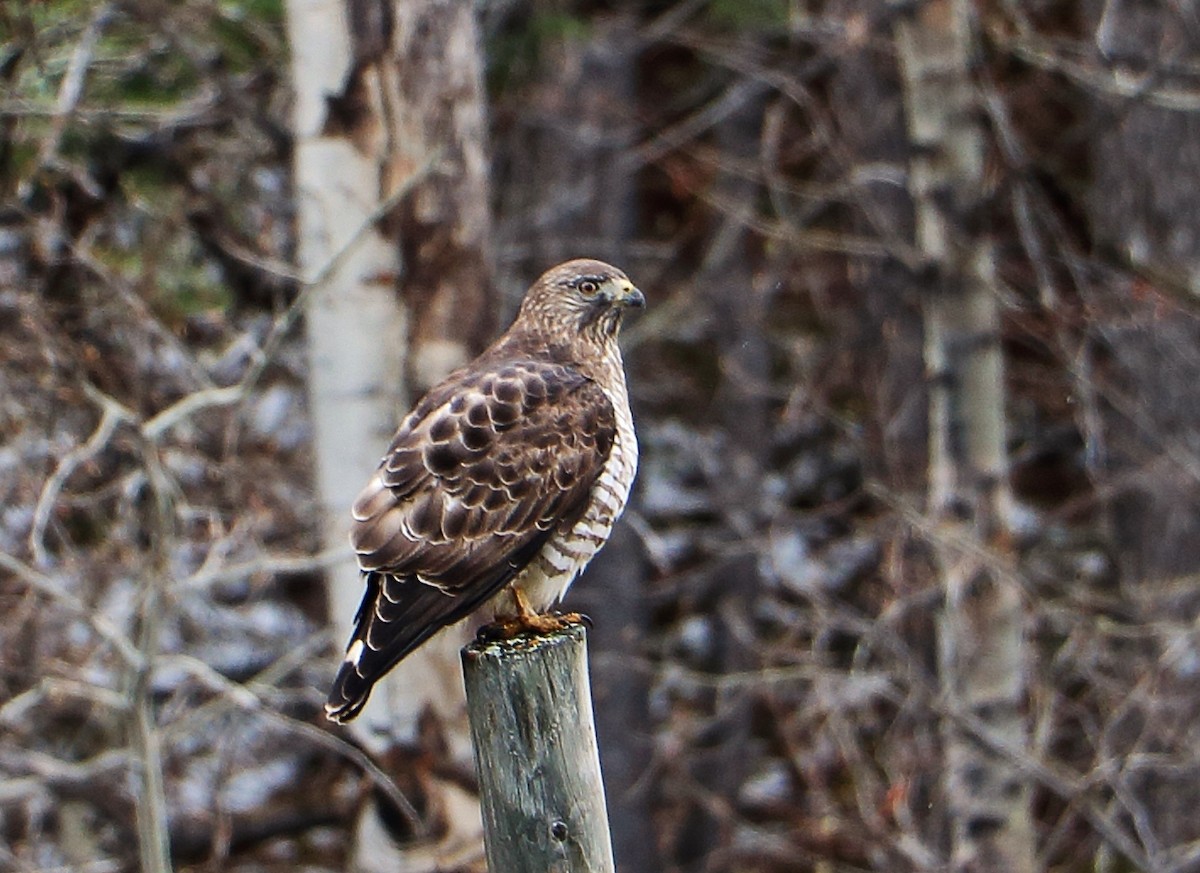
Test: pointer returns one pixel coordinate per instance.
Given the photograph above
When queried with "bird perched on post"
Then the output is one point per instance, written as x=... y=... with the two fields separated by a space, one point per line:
x=501 y=484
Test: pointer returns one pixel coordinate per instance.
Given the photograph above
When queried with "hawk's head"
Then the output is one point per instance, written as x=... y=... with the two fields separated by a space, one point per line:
x=585 y=296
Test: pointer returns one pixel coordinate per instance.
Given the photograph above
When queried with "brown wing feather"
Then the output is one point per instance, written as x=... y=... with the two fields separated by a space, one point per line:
x=477 y=479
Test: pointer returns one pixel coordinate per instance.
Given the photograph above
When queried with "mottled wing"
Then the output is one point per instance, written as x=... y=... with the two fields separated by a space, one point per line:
x=480 y=475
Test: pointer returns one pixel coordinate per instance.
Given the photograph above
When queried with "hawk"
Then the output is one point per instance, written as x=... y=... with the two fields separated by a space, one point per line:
x=503 y=481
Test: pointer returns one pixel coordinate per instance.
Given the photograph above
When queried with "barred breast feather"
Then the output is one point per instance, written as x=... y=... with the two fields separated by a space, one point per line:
x=546 y=580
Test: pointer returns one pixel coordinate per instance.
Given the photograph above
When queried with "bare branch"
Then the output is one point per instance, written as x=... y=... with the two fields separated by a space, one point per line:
x=245 y=698
x=71 y=89
x=1121 y=82
x=112 y=416
x=153 y=822
x=48 y=587
x=227 y=396
x=269 y=564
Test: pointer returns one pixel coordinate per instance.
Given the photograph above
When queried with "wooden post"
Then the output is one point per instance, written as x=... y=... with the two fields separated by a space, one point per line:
x=530 y=707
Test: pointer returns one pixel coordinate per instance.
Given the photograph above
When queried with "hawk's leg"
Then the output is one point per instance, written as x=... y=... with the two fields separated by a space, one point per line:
x=527 y=619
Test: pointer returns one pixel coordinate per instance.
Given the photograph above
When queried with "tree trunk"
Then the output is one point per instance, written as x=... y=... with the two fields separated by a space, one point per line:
x=389 y=161
x=870 y=132
x=736 y=294
x=1144 y=203
x=576 y=192
x=981 y=645
x=356 y=324
x=445 y=227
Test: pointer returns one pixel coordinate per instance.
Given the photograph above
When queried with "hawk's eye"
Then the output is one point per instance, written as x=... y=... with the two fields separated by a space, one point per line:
x=588 y=287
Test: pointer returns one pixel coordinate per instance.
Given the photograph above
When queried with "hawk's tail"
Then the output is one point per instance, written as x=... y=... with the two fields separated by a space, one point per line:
x=388 y=626
x=397 y=614
x=363 y=665
x=349 y=693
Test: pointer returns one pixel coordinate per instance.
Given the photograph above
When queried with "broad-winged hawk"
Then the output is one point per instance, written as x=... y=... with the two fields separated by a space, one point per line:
x=503 y=481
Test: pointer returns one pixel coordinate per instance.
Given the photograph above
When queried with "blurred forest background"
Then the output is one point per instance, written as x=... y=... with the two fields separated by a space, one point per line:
x=909 y=578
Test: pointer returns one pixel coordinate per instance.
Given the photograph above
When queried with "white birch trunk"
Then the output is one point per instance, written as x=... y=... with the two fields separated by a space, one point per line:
x=388 y=90
x=981 y=642
x=355 y=321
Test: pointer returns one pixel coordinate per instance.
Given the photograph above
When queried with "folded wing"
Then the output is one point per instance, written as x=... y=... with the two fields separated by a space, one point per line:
x=480 y=475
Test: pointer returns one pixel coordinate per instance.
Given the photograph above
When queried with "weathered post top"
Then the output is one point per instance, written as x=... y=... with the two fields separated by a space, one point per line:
x=530 y=707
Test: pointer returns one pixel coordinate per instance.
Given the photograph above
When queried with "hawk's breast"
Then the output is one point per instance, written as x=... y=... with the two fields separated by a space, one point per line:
x=548 y=576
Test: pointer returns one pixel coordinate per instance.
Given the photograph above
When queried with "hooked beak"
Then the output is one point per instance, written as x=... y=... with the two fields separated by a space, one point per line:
x=629 y=296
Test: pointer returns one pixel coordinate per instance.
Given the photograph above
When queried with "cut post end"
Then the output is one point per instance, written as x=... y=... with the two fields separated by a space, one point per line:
x=527 y=643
